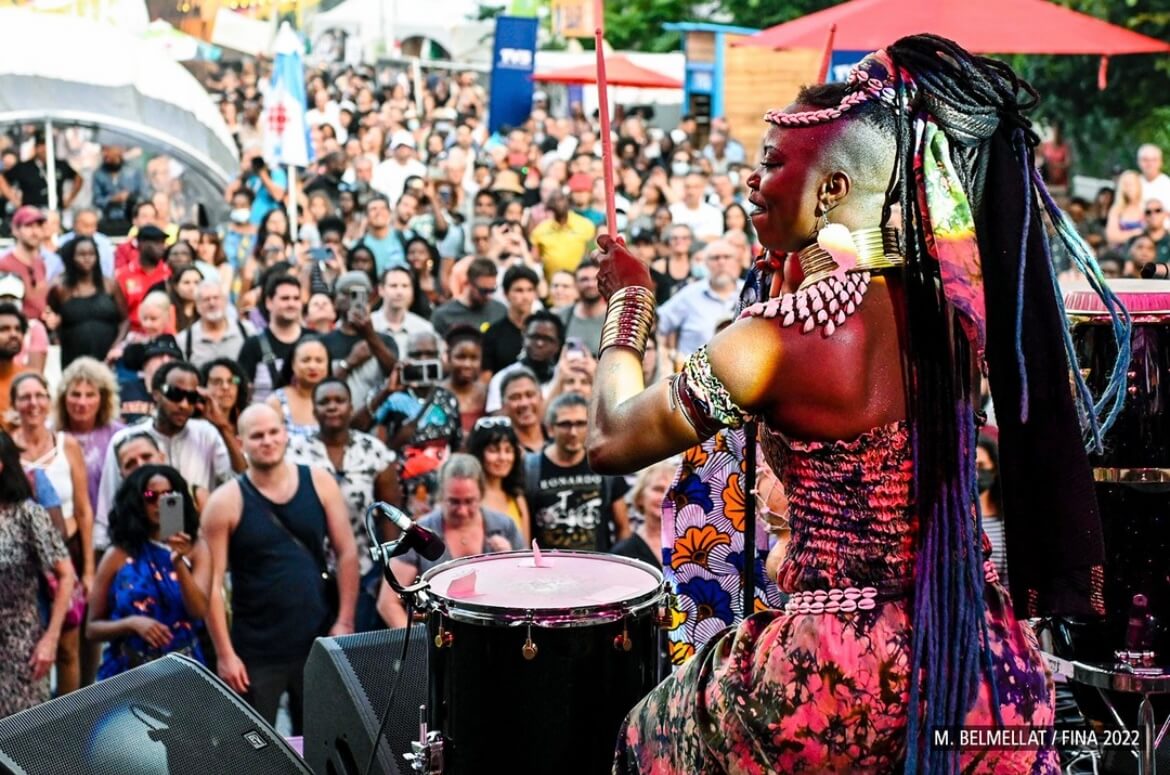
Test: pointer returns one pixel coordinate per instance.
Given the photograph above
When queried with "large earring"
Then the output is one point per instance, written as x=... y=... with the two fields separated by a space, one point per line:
x=825 y=206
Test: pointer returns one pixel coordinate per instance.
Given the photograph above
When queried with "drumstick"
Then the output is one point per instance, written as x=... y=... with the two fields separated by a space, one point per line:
x=603 y=111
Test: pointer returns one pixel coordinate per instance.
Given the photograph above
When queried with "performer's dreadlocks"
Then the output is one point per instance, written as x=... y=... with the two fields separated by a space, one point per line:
x=963 y=140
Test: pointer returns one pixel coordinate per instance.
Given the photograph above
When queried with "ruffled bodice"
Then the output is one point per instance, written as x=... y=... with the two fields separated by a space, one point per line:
x=850 y=508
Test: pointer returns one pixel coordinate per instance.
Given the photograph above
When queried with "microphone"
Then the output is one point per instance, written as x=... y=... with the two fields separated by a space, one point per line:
x=414 y=535
x=1157 y=271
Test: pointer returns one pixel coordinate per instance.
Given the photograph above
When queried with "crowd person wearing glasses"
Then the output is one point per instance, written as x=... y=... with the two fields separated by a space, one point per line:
x=688 y=320
x=1155 y=229
x=151 y=590
x=464 y=365
x=203 y=453
x=227 y=388
x=475 y=304
x=268 y=527
x=365 y=471
x=544 y=335
x=461 y=520
x=645 y=543
x=572 y=506
x=92 y=314
x=418 y=418
x=59 y=457
x=30 y=547
x=493 y=443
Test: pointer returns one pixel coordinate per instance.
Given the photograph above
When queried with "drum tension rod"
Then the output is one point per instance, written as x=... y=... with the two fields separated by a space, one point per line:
x=529 y=648
x=443 y=638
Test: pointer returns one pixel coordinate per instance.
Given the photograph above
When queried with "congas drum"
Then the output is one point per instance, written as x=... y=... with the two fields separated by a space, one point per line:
x=533 y=669
x=1133 y=471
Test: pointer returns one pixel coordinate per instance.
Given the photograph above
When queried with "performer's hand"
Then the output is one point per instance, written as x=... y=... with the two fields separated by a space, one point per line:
x=619 y=267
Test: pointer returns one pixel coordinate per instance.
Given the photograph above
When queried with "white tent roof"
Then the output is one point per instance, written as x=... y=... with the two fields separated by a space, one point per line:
x=448 y=25
x=74 y=70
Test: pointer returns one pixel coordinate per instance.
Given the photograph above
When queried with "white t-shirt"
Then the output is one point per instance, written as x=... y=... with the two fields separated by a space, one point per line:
x=705 y=221
x=1158 y=188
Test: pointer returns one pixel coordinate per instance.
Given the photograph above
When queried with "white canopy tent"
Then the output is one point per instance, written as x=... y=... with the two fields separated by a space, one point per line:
x=378 y=22
x=71 y=71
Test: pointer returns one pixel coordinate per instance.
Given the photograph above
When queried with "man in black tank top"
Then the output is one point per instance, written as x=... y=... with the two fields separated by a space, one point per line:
x=268 y=527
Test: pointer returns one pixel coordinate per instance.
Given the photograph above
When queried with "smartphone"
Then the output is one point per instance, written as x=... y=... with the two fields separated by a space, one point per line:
x=427 y=372
x=575 y=349
x=320 y=254
x=258 y=164
x=170 y=515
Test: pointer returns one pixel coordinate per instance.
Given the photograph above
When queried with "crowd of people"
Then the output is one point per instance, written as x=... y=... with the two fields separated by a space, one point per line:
x=425 y=334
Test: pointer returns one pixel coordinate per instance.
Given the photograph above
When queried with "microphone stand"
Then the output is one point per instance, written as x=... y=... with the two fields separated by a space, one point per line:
x=384 y=551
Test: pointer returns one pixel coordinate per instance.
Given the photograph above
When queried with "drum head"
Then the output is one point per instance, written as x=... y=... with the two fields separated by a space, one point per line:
x=576 y=585
x=1143 y=298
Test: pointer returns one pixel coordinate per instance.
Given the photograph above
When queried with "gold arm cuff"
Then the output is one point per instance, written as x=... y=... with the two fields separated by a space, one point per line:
x=629 y=319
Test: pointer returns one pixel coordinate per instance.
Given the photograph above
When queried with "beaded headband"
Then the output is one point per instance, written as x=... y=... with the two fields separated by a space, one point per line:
x=871 y=78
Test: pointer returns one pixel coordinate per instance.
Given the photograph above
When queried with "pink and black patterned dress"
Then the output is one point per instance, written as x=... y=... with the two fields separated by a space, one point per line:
x=828 y=692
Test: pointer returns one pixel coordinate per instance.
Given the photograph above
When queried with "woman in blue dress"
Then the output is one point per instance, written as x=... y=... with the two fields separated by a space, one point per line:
x=149 y=595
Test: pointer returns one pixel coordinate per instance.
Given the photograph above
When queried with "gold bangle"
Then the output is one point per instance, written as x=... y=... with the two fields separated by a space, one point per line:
x=629 y=319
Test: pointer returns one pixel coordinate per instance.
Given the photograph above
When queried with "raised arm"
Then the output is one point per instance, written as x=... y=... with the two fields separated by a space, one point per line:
x=633 y=426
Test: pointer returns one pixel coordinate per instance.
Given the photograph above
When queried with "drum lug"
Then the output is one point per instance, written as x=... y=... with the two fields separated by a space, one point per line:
x=444 y=638
x=664 y=618
x=529 y=649
x=622 y=642
x=426 y=756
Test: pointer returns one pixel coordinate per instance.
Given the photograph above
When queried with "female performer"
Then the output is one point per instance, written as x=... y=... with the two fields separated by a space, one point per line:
x=906 y=203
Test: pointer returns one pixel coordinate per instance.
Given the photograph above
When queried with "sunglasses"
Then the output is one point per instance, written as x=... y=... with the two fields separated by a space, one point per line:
x=176 y=395
x=153 y=496
x=570 y=425
x=493 y=422
x=488 y=291
x=1154 y=211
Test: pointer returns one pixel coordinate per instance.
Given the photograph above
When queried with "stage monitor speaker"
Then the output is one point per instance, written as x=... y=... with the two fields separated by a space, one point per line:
x=168 y=717
x=347 y=686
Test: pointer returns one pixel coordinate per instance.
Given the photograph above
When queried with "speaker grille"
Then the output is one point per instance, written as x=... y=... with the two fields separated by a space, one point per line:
x=170 y=717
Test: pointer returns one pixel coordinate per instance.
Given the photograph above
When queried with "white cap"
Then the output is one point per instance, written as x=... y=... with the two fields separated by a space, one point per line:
x=11 y=285
x=402 y=137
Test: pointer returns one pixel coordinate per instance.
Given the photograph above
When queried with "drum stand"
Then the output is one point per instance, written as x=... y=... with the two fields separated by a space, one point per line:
x=426 y=756
x=1125 y=678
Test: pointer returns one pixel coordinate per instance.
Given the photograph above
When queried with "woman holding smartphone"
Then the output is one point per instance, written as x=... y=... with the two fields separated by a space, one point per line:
x=150 y=593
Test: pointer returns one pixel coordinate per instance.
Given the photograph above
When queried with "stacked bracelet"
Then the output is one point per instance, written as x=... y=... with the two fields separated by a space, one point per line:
x=629 y=319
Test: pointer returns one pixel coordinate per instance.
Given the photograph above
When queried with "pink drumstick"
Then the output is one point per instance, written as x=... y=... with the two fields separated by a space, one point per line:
x=603 y=112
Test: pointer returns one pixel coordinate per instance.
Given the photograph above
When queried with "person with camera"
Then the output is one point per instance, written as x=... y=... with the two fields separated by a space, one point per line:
x=358 y=353
x=268 y=186
x=150 y=593
x=416 y=417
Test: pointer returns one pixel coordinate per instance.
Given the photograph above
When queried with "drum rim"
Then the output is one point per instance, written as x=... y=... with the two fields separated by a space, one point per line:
x=548 y=618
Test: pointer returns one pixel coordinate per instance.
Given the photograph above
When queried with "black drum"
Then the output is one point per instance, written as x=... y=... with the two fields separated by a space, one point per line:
x=533 y=669
x=1133 y=472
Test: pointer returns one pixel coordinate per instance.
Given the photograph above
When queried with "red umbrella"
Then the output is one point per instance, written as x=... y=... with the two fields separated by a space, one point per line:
x=620 y=71
x=981 y=26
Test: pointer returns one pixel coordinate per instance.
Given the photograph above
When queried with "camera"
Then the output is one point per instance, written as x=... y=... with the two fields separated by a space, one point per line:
x=258 y=164
x=427 y=372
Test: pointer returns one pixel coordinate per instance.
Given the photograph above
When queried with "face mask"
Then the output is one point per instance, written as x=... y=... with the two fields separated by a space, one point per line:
x=986 y=478
x=111 y=166
x=679 y=168
x=652 y=151
x=733 y=176
x=240 y=215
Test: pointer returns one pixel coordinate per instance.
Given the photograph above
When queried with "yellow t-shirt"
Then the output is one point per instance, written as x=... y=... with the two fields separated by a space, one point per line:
x=561 y=248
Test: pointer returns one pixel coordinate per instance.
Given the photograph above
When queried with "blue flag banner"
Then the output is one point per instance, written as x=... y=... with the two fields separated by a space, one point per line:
x=513 y=61
x=286 y=133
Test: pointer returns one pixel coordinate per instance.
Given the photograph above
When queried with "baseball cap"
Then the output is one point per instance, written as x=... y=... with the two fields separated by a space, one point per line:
x=402 y=137
x=11 y=285
x=26 y=215
x=164 y=344
x=581 y=181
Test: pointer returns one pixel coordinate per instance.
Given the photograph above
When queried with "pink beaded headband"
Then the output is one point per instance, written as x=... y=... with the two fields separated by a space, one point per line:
x=871 y=78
